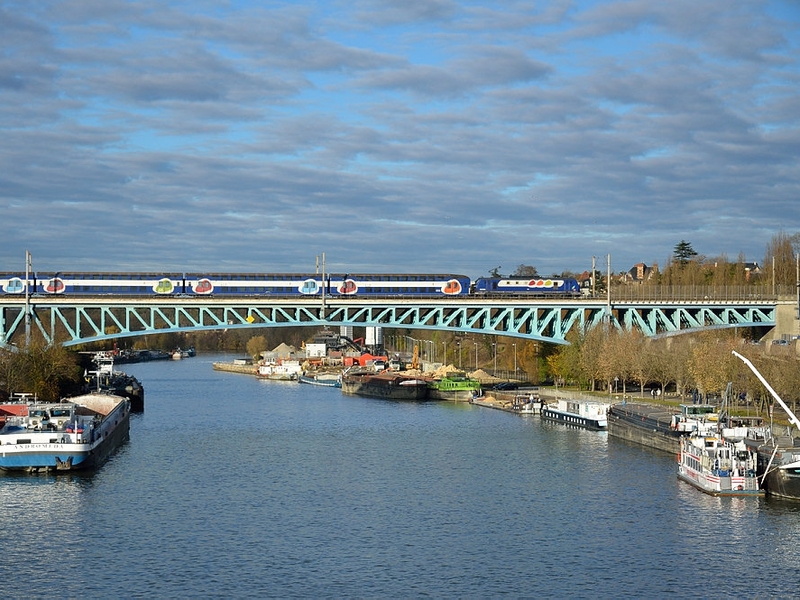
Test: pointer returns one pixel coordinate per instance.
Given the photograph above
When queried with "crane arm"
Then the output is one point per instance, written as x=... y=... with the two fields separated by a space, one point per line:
x=792 y=418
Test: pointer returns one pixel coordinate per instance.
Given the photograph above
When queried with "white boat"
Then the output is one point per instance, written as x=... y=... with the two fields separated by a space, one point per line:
x=718 y=467
x=64 y=436
x=590 y=414
x=286 y=370
x=322 y=379
x=527 y=404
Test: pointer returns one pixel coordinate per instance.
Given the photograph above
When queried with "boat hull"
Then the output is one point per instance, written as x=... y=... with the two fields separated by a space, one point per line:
x=784 y=482
x=33 y=450
x=465 y=395
x=588 y=414
x=388 y=388
x=573 y=419
x=720 y=486
x=321 y=382
x=779 y=471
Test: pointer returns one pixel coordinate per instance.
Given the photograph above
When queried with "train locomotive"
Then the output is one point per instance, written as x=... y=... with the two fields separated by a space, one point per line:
x=281 y=285
x=535 y=285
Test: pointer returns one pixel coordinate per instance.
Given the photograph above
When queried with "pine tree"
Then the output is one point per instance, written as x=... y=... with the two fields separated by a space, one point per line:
x=684 y=252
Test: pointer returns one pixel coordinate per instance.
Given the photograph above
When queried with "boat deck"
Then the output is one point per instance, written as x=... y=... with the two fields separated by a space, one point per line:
x=652 y=414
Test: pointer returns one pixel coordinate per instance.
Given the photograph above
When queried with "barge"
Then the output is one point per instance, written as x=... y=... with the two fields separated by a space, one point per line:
x=80 y=433
x=589 y=414
x=660 y=427
x=387 y=385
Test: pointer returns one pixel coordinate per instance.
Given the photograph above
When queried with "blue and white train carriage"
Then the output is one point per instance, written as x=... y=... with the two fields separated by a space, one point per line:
x=236 y=284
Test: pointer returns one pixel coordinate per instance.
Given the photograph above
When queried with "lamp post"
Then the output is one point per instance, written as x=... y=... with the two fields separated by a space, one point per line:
x=494 y=346
x=458 y=345
x=444 y=360
x=476 y=356
x=515 y=360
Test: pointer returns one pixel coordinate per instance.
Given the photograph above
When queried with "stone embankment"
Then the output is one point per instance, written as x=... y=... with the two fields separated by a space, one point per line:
x=236 y=367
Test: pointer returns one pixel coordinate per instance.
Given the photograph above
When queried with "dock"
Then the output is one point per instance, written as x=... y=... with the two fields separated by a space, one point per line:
x=236 y=367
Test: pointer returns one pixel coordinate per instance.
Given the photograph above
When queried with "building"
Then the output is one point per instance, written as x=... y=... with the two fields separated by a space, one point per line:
x=639 y=273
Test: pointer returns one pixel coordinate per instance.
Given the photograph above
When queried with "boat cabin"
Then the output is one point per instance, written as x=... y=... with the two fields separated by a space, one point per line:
x=696 y=419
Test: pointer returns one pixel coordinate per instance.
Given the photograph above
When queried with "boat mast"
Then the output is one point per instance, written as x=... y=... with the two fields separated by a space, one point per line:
x=792 y=418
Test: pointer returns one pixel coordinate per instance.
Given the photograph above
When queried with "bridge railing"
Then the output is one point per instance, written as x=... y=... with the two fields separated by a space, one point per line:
x=690 y=293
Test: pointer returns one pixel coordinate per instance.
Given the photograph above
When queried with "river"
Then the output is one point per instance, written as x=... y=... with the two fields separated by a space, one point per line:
x=235 y=487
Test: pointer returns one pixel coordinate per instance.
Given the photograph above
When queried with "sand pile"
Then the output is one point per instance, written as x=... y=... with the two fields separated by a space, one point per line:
x=484 y=377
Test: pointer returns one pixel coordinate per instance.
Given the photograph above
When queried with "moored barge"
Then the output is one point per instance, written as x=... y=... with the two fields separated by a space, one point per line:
x=80 y=433
x=660 y=427
x=589 y=414
x=387 y=384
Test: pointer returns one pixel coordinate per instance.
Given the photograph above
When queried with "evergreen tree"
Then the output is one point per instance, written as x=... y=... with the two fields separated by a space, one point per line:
x=684 y=252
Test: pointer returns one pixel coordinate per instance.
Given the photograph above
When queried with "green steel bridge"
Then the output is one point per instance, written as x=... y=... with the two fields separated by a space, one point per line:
x=77 y=320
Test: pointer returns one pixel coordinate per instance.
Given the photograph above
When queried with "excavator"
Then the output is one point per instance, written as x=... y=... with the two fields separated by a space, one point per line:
x=415 y=358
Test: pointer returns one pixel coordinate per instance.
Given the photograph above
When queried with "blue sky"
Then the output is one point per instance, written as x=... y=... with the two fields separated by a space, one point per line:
x=426 y=136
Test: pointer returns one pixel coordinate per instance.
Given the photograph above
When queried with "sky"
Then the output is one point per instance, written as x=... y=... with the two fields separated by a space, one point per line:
x=427 y=136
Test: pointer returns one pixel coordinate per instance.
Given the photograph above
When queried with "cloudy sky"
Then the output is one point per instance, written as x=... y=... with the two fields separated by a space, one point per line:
x=395 y=135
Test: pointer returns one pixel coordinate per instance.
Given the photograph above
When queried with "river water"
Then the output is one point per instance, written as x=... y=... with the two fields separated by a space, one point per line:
x=235 y=487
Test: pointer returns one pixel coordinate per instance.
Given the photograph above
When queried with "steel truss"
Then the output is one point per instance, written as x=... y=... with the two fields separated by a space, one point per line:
x=74 y=321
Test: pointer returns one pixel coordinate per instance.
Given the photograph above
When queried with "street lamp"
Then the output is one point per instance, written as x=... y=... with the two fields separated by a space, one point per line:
x=458 y=345
x=476 y=356
x=444 y=360
x=515 y=359
x=494 y=346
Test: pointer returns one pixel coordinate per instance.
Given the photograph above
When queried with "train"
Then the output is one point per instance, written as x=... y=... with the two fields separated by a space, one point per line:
x=281 y=285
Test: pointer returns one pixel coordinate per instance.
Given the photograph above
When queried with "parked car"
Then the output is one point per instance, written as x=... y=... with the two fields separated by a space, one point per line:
x=505 y=386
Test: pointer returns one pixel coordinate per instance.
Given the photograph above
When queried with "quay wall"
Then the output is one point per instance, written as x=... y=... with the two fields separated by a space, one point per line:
x=235 y=368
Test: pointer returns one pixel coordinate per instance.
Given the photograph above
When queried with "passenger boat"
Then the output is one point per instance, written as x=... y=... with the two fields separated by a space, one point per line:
x=322 y=379
x=718 y=467
x=285 y=370
x=454 y=386
x=386 y=384
x=80 y=433
x=590 y=414
x=778 y=455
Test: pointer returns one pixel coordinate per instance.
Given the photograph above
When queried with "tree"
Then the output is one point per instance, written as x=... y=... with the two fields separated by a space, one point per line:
x=256 y=345
x=684 y=252
x=565 y=363
x=711 y=364
x=779 y=260
x=44 y=370
x=591 y=352
x=525 y=271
